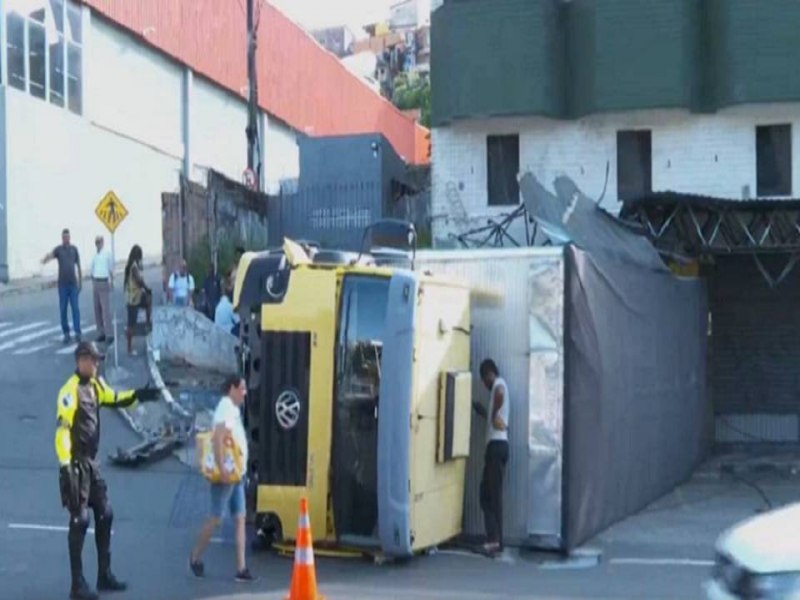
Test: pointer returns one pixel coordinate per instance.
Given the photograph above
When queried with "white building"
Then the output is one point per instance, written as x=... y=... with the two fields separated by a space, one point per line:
x=653 y=150
x=697 y=98
x=149 y=93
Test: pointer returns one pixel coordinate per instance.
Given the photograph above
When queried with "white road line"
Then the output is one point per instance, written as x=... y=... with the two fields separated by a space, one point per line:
x=32 y=349
x=35 y=527
x=71 y=347
x=27 y=327
x=28 y=338
x=662 y=562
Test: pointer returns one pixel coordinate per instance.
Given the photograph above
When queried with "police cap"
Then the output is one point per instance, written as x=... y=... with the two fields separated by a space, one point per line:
x=84 y=349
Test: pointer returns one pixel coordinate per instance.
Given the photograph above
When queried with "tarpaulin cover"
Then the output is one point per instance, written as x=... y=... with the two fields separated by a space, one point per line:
x=569 y=216
x=636 y=414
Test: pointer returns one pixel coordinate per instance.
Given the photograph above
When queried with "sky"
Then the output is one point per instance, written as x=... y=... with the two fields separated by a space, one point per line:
x=314 y=14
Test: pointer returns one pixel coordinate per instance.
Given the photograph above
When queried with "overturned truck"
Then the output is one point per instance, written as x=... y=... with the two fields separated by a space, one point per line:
x=359 y=398
x=361 y=378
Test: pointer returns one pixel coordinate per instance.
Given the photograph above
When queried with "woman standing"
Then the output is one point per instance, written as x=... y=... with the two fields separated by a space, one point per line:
x=137 y=294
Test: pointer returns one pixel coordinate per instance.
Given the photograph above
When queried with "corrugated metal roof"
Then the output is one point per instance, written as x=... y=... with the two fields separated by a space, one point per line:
x=299 y=81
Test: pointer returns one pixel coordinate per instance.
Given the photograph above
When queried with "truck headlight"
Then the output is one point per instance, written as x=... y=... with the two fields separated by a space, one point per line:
x=776 y=585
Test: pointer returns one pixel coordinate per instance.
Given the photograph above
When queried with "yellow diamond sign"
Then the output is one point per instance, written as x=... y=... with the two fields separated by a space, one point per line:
x=111 y=211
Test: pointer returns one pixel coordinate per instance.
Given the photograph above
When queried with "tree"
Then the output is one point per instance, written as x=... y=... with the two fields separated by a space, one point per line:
x=413 y=92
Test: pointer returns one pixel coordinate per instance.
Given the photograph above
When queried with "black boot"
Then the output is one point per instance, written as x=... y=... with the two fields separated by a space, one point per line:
x=81 y=591
x=77 y=532
x=107 y=582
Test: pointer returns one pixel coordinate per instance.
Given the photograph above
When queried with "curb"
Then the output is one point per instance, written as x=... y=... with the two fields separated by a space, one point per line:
x=38 y=284
x=12 y=290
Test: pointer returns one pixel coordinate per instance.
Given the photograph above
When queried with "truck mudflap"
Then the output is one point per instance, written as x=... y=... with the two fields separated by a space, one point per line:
x=394 y=409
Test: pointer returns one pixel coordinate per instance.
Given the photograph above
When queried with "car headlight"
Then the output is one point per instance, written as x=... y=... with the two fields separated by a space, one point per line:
x=775 y=585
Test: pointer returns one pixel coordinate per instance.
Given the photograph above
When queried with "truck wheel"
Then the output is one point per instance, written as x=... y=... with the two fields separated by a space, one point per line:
x=268 y=532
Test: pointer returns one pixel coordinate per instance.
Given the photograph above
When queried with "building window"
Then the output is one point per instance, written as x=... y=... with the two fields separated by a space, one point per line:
x=634 y=164
x=502 y=160
x=45 y=50
x=16 y=51
x=36 y=60
x=774 y=160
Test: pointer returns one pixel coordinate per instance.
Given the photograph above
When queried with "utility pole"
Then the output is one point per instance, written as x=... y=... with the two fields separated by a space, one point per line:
x=252 y=101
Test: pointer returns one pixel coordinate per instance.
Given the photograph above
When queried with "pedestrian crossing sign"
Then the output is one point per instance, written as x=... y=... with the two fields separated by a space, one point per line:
x=111 y=211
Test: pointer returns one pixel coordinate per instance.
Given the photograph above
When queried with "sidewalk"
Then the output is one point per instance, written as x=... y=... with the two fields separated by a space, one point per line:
x=39 y=283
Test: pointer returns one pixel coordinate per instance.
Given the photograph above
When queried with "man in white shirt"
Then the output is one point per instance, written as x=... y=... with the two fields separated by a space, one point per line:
x=496 y=457
x=227 y=422
x=181 y=286
x=102 y=273
x=225 y=317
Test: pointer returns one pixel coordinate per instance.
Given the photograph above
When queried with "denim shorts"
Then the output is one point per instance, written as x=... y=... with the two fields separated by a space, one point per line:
x=230 y=495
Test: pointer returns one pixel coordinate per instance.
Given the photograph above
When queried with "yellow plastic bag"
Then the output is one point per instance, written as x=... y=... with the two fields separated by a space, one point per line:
x=231 y=458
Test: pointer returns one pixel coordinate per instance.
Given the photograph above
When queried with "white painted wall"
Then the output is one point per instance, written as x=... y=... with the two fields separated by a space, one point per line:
x=218 y=120
x=130 y=139
x=131 y=89
x=701 y=154
x=59 y=167
x=281 y=155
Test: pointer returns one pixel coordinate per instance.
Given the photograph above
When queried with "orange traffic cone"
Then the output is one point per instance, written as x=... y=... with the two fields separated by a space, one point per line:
x=304 y=576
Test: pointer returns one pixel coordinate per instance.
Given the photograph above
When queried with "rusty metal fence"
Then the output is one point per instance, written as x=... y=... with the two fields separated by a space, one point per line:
x=204 y=224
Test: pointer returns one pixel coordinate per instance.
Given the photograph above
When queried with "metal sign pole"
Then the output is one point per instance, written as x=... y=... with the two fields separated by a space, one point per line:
x=114 y=305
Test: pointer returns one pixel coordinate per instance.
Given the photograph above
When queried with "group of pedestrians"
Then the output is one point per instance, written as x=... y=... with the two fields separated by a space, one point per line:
x=218 y=296
x=70 y=284
x=138 y=295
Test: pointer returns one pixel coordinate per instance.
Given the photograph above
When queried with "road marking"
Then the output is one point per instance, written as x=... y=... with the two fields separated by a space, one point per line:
x=29 y=337
x=4 y=324
x=71 y=348
x=32 y=349
x=36 y=527
x=27 y=327
x=662 y=562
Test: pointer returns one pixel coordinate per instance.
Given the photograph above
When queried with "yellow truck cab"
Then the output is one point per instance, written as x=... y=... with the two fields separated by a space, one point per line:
x=359 y=397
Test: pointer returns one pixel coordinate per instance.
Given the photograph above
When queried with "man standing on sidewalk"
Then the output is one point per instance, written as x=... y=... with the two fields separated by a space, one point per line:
x=496 y=455
x=69 y=283
x=102 y=283
x=181 y=286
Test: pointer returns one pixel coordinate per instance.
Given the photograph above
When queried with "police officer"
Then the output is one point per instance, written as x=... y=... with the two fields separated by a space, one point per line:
x=81 y=484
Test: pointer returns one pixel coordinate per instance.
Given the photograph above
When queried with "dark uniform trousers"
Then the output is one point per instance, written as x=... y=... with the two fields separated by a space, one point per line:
x=491 y=490
x=89 y=492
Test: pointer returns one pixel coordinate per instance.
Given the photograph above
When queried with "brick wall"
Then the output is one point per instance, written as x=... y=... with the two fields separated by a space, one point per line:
x=700 y=154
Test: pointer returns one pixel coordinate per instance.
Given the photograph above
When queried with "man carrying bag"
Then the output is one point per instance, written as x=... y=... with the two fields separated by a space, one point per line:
x=222 y=455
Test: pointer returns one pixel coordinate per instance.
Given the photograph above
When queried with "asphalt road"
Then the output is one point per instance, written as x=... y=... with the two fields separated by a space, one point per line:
x=157 y=511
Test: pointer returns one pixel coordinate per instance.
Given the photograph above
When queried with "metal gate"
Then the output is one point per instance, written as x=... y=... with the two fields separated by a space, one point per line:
x=755 y=351
x=334 y=215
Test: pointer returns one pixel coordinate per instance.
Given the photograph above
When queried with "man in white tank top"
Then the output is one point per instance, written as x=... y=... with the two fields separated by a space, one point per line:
x=496 y=457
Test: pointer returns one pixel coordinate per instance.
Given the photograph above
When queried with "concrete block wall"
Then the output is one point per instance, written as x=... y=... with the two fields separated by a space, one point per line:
x=183 y=334
x=699 y=154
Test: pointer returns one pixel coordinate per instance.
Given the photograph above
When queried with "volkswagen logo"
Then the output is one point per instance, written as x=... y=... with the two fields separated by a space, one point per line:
x=287 y=409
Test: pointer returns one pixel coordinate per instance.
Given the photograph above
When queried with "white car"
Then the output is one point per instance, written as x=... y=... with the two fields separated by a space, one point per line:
x=759 y=558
